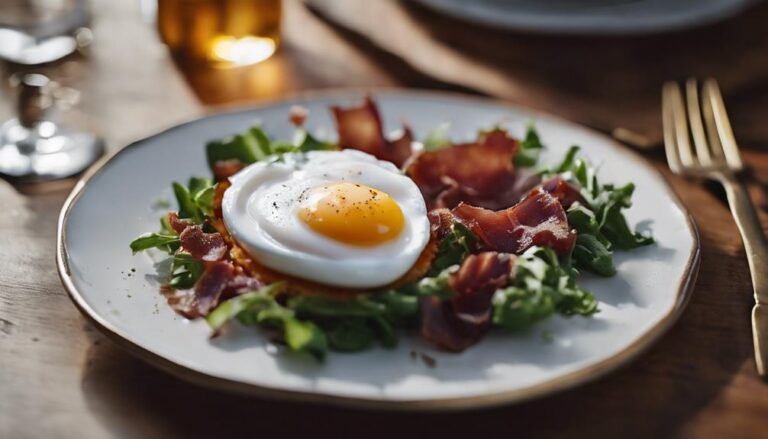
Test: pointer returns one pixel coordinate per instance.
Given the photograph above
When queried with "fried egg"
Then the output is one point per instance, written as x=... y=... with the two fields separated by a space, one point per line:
x=340 y=218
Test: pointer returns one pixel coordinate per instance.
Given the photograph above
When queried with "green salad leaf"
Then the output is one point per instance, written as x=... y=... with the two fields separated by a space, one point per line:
x=261 y=308
x=255 y=145
x=319 y=306
x=185 y=271
x=354 y=324
x=530 y=148
x=541 y=287
x=600 y=224
x=153 y=240
x=195 y=200
x=437 y=285
x=352 y=334
x=437 y=138
x=453 y=248
x=304 y=142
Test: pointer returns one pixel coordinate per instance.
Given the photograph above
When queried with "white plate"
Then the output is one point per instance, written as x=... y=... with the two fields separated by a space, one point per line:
x=112 y=205
x=590 y=16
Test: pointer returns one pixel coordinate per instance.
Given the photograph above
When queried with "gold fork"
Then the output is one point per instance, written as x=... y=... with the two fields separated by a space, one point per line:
x=715 y=156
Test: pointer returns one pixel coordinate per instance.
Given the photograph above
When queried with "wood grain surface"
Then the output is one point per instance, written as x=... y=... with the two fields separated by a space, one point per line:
x=59 y=378
x=584 y=77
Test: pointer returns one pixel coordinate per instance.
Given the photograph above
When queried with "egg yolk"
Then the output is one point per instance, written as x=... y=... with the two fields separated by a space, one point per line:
x=352 y=213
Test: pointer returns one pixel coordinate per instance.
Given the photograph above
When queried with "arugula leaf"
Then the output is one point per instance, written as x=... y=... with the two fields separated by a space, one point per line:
x=569 y=161
x=438 y=285
x=299 y=335
x=609 y=204
x=165 y=226
x=350 y=335
x=255 y=145
x=519 y=308
x=260 y=308
x=453 y=248
x=541 y=287
x=530 y=148
x=247 y=147
x=385 y=331
x=187 y=206
x=437 y=138
x=592 y=254
x=233 y=148
x=305 y=142
x=185 y=271
x=593 y=251
x=326 y=307
x=398 y=305
x=204 y=200
x=195 y=200
x=196 y=185
x=353 y=324
x=231 y=308
x=152 y=240
x=601 y=224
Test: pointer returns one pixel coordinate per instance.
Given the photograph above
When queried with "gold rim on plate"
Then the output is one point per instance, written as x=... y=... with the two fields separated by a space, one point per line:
x=569 y=380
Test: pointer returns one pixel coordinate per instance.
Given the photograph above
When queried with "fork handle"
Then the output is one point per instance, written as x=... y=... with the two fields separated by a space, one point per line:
x=757 y=257
x=751 y=234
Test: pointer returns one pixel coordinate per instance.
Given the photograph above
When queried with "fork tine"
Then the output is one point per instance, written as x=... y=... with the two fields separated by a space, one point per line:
x=721 y=125
x=668 y=119
x=680 y=124
x=709 y=122
x=695 y=122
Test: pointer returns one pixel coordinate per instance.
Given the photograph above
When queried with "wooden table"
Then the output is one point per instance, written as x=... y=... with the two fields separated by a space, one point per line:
x=61 y=378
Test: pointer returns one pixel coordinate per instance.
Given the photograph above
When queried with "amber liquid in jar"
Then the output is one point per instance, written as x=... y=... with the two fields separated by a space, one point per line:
x=226 y=33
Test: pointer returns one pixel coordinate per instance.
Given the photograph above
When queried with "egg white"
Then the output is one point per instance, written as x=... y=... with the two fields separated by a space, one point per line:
x=260 y=210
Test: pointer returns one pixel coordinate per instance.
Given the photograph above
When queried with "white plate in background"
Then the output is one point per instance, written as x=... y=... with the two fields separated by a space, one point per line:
x=590 y=16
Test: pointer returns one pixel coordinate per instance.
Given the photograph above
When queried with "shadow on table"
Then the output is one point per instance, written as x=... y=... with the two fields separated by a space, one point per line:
x=654 y=397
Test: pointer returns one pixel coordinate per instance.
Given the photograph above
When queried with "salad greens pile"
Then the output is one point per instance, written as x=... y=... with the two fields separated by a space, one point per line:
x=544 y=283
x=600 y=224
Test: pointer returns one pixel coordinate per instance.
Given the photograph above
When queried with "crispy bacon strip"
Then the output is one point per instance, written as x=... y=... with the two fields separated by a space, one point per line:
x=480 y=173
x=565 y=192
x=203 y=246
x=224 y=169
x=177 y=224
x=477 y=279
x=440 y=222
x=198 y=302
x=298 y=115
x=460 y=322
x=537 y=220
x=361 y=128
x=220 y=281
